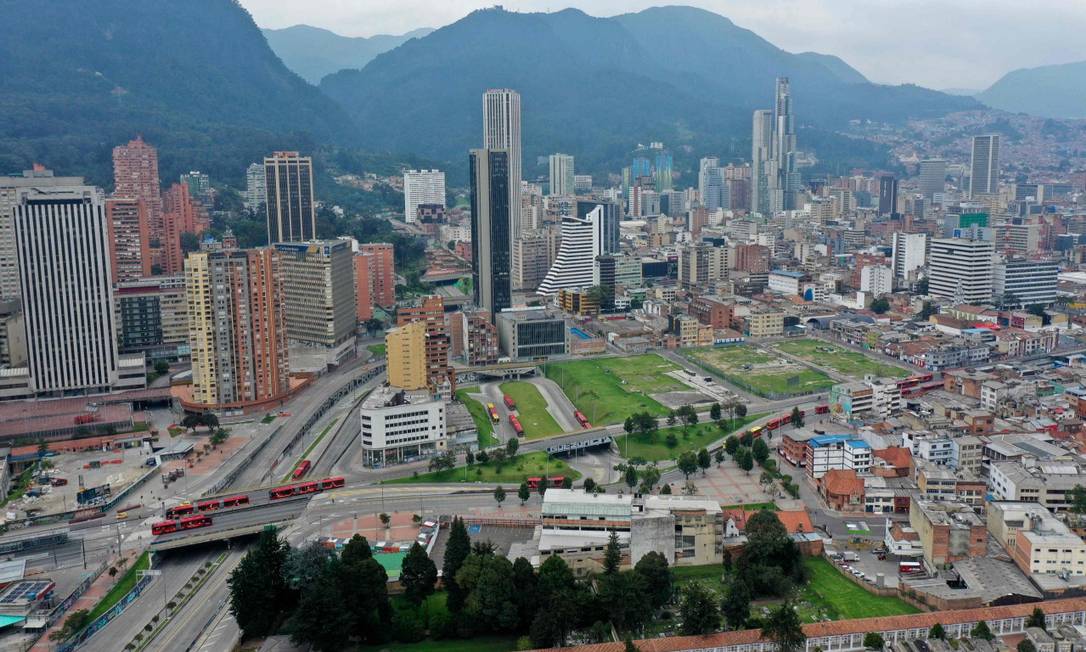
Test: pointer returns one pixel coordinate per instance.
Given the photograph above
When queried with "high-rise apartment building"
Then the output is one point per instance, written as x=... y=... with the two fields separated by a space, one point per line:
x=887 y=195
x=135 y=176
x=662 y=171
x=876 y=280
x=960 y=269
x=152 y=317
x=181 y=213
x=405 y=351
x=784 y=182
x=421 y=187
x=289 y=203
x=491 y=226
x=431 y=312
x=761 y=154
x=582 y=243
x=256 y=191
x=382 y=264
x=129 y=239
x=610 y=217
x=561 y=175
x=501 y=131
x=318 y=288
x=984 y=168
x=712 y=186
x=237 y=326
x=480 y=339
x=932 y=177
x=1025 y=282
x=532 y=256
x=66 y=286
x=909 y=253
x=38 y=177
x=199 y=185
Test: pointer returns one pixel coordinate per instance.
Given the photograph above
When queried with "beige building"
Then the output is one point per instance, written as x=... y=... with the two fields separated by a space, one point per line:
x=405 y=349
x=318 y=286
x=948 y=531
x=1038 y=542
x=765 y=323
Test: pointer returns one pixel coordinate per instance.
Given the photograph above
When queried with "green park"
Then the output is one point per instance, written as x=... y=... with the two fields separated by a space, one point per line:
x=840 y=359
x=607 y=390
x=513 y=470
x=531 y=409
x=669 y=443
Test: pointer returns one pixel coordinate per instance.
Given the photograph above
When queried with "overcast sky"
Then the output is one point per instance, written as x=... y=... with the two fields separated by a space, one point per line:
x=935 y=43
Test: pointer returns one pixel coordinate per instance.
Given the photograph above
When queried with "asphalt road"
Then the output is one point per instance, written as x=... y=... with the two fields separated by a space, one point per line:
x=190 y=622
x=269 y=512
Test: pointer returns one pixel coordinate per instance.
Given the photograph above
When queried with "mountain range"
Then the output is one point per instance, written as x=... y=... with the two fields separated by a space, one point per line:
x=1056 y=91
x=313 y=52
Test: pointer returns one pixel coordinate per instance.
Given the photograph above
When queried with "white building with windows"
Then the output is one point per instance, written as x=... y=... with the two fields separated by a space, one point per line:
x=561 y=175
x=421 y=187
x=960 y=269
x=876 y=280
x=909 y=253
x=399 y=425
x=256 y=192
x=1023 y=282
x=582 y=243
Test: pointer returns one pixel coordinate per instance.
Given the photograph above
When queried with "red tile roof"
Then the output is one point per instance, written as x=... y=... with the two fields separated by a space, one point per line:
x=895 y=456
x=843 y=482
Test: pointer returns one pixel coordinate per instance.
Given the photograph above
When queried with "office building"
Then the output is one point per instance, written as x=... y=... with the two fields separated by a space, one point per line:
x=1021 y=282
x=199 y=185
x=761 y=153
x=288 y=197
x=421 y=187
x=129 y=239
x=431 y=312
x=533 y=255
x=152 y=316
x=398 y=425
x=984 y=167
x=491 y=234
x=876 y=280
x=135 y=176
x=932 y=175
x=784 y=182
x=237 y=326
x=561 y=175
x=256 y=191
x=66 y=287
x=405 y=350
x=909 y=253
x=38 y=177
x=1038 y=542
x=828 y=452
x=582 y=242
x=960 y=269
x=582 y=183
x=662 y=171
x=501 y=132
x=319 y=292
x=480 y=338
x=1047 y=483
x=181 y=214
x=887 y=195
x=532 y=333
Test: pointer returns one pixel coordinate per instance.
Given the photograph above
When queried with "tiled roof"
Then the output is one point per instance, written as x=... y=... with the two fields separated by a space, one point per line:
x=895 y=456
x=843 y=482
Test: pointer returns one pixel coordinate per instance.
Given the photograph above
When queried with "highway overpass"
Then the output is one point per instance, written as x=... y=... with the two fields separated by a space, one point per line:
x=234 y=523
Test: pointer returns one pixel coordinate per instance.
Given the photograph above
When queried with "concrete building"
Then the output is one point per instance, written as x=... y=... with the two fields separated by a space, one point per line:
x=492 y=227
x=256 y=191
x=561 y=175
x=761 y=153
x=152 y=315
x=910 y=252
x=431 y=312
x=12 y=335
x=828 y=452
x=948 y=531
x=421 y=187
x=887 y=195
x=501 y=132
x=237 y=326
x=290 y=207
x=984 y=167
x=764 y=323
x=867 y=398
x=1038 y=542
x=129 y=239
x=574 y=266
x=135 y=176
x=533 y=256
x=379 y=260
x=960 y=269
x=932 y=178
x=398 y=425
x=876 y=280
x=181 y=213
x=319 y=291
x=532 y=333
x=405 y=350
x=1023 y=282
x=481 y=346
x=1046 y=483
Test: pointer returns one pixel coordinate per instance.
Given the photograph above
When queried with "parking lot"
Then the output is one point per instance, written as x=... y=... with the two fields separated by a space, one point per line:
x=866 y=565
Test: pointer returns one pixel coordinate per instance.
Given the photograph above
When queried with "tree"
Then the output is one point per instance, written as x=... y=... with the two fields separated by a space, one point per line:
x=928 y=308
x=656 y=575
x=698 y=610
x=624 y=598
x=418 y=574
x=524 y=493
x=688 y=463
x=1026 y=645
x=469 y=458
x=981 y=630
x=740 y=410
x=714 y=411
x=744 y=459
x=731 y=444
x=498 y=457
x=665 y=490
x=760 y=451
x=219 y=437
x=628 y=425
x=162 y=367
x=937 y=632
x=612 y=555
x=112 y=572
x=766 y=478
x=386 y=520
x=735 y=606
x=718 y=456
x=511 y=447
x=73 y=624
x=874 y=641
x=784 y=628
x=1037 y=619
x=499 y=495
x=628 y=645
x=650 y=475
x=704 y=460
x=543 y=485
x=797 y=417
x=589 y=484
x=671 y=440
x=880 y=305
x=690 y=415
x=525 y=587
x=356 y=551
x=630 y=476
x=320 y=619
x=258 y=591
x=671 y=418
x=365 y=598
x=482 y=457
x=1077 y=497
x=304 y=565
x=457 y=549
x=746 y=439
x=567 y=482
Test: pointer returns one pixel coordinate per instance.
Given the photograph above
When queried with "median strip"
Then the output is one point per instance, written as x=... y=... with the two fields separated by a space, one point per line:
x=309 y=450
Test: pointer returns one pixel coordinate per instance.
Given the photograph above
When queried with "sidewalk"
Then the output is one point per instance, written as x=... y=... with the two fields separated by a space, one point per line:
x=101 y=586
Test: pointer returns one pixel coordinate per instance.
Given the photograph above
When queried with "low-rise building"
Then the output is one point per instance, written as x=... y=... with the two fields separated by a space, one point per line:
x=828 y=452
x=1038 y=542
x=948 y=531
x=399 y=425
x=1047 y=484
x=530 y=334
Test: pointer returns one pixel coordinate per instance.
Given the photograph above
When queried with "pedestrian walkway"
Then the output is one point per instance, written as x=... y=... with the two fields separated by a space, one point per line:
x=97 y=590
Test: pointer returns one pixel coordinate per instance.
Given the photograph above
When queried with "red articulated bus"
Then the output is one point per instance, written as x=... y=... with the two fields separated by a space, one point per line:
x=822 y=409
x=302 y=469
x=581 y=419
x=517 y=428
x=553 y=481
x=509 y=402
x=177 y=511
x=187 y=523
x=332 y=483
x=222 y=503
x=303 y=488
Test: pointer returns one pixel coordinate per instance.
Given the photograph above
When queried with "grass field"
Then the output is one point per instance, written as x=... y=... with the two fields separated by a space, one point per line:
x=841 y=599
x=122 y=587
x=696 y=438
x=840 y=359
x=531 y=410
x=762 y=373
x=514 y=472
x=376 y=349
x=480 y=417
x=607 y=390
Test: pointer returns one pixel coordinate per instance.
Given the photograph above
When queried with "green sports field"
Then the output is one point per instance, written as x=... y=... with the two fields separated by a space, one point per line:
x=607 y=390
x=840 y=359
x=531 y=410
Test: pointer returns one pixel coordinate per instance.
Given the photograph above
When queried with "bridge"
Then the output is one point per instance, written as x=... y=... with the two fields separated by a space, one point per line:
x=580 y=441
x=234 y=523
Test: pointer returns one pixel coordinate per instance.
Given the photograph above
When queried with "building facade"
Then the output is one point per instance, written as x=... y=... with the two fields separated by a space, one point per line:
x=318 y=288
x=398 y=425
x=129 y=239
x=491 y=227
x=530 y=334
x=421 y=187
x=960 y=269
x=501 y=131
x=290 y=207
x=561 y=175
x=405 y=351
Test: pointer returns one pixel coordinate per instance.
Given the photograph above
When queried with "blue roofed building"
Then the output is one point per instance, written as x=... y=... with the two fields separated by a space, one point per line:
x=828 y=452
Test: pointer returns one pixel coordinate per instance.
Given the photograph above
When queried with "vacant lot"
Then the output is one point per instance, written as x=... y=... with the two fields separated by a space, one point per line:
x=607 y=390
x=760 y=372
x=695 y=438
x=841 y=359
x=513 y=471
x=841 y=599
x=531 y=410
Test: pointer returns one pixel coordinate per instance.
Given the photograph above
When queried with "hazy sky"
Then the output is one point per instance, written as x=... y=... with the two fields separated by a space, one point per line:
x=935 y=43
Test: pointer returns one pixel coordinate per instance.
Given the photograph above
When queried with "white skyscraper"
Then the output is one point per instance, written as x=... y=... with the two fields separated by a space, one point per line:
x=960 y=269
x=561 y=175
x=62 y=240
x=784 y=181
x=501 y=130
x=761 y=153
x=712 y=186
x=909 y=252
x=255 y=191
x=582 y=242
x=984 y=178
x=421 y=187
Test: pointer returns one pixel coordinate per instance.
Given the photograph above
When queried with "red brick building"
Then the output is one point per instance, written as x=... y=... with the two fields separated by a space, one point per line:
x=713 y=312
